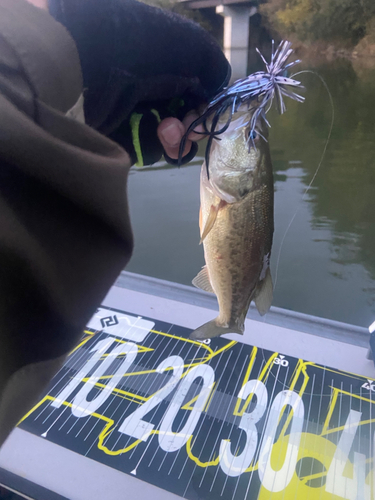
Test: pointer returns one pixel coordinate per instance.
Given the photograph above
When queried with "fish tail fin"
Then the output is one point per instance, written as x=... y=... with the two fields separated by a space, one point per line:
x=212 y=329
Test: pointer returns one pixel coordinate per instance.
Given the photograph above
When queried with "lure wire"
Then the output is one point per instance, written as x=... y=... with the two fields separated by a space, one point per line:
x=316 y=171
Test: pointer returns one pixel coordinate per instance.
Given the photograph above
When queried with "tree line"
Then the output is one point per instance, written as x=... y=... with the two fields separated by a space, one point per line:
x=343 y=23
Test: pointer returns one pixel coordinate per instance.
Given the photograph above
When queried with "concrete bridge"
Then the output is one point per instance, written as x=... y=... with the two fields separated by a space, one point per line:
x=236 y=15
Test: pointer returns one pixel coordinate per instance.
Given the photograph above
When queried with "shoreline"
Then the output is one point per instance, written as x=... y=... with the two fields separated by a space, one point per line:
x=362 y=56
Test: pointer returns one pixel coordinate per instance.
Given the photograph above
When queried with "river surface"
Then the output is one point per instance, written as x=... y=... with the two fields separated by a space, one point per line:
x=326 y=264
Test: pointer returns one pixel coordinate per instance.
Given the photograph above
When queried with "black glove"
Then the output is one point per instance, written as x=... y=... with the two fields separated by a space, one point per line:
x=140 y=64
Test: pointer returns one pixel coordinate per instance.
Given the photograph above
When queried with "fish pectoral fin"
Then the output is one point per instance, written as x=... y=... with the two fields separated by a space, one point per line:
x=202 y=280
x=264 y=294
x=211 y=219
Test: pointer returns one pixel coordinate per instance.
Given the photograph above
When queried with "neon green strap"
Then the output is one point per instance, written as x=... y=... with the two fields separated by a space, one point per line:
x=135 y=120
x=155 y=112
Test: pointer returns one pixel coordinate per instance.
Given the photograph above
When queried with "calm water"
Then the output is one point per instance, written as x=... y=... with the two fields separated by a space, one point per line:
x=327 y=261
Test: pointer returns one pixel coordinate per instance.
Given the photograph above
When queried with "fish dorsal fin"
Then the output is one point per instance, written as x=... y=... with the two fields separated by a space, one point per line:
x=211 y=219
x=264 y=294
x=202 y=280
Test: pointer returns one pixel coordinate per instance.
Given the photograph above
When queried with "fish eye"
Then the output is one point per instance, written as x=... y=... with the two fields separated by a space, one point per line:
x=252 y=135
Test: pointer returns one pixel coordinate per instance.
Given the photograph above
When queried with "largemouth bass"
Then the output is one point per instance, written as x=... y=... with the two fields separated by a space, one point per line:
x=236 y=223
x=236 y=218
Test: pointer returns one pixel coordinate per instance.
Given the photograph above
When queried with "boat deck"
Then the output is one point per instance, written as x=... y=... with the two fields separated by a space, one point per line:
x=141 y=411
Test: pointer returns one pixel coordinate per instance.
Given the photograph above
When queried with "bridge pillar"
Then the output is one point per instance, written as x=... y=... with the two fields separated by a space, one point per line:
x=236 y=36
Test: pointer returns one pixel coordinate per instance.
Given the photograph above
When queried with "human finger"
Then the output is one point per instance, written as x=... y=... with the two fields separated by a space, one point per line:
x=170 y=132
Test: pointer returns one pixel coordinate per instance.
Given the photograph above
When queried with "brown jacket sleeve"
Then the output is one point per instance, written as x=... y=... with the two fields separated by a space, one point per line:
x=64 y=224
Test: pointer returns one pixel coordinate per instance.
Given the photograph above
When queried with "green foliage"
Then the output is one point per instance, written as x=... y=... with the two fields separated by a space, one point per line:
x=370 y=29
x=328 y=20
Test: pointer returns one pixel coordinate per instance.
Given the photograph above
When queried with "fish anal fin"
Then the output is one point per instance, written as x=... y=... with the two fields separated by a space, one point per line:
x=202 y=280
x=211 y=219
x=264 y=294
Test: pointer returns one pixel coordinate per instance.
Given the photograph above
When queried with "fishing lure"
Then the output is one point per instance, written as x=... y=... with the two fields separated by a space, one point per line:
x=262 y=87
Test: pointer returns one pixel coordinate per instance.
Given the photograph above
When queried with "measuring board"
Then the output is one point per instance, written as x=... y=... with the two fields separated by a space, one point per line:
x=210 y=420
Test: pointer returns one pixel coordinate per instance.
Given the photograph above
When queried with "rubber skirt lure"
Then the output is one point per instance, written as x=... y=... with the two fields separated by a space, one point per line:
x=259 y=89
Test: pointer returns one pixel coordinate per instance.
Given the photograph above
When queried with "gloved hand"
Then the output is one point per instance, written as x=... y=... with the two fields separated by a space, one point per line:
x=140 y=65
